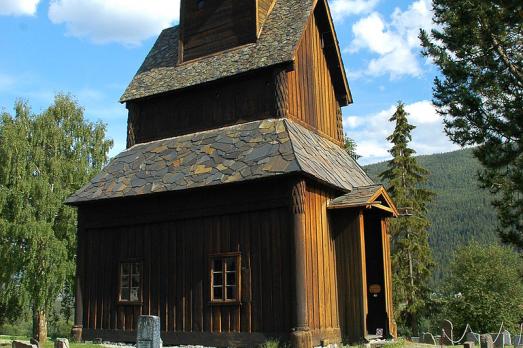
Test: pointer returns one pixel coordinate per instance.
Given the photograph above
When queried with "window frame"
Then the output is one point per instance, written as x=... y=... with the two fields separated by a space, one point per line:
x=140 y=287
x=238 y=279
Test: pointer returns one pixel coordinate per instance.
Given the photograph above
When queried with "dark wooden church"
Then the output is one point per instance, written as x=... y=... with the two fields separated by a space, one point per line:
x=235 y=214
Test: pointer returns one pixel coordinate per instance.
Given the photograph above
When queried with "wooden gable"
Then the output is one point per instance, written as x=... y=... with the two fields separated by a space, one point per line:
x=211 y=26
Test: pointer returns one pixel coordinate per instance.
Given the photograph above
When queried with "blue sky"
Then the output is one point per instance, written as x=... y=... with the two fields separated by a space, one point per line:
x=92 y=48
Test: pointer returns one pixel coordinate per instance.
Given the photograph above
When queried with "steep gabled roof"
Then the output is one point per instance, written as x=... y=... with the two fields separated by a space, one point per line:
x=237 y=153
x=365 y=196
x=277 y=44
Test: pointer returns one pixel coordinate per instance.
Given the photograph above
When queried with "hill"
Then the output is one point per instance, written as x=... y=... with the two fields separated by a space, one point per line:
x=461 y=211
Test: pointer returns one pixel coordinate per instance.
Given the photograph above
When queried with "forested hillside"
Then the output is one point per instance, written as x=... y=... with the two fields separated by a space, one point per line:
x=461 y=210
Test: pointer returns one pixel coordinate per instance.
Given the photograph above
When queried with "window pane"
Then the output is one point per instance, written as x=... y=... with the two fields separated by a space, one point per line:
x=231 y=278
x=230 y=264
x=231 y=292
x=124 y=295
x=125 y=268
x=217 y=265
x=125 y=280
x=218 y=293
x=135 y=281
x=136 y=269
x=217 y=279
x=134 y=294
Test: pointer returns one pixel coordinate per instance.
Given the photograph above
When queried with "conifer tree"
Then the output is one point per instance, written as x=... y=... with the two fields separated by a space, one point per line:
x=411 y=255
x=43 y=159
x=478 y=47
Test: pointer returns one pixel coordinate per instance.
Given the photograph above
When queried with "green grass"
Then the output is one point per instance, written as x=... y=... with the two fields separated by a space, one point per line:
x=5 y=341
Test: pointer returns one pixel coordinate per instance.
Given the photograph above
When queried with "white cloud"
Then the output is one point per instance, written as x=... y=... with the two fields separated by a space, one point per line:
x=345 y=8
x=18 y=7
x=123 y=21
x=371 y=131
x=395 y=43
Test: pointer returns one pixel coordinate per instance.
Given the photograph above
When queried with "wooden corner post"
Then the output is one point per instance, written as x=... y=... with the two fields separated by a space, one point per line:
x=76 y=331
x=300 y=336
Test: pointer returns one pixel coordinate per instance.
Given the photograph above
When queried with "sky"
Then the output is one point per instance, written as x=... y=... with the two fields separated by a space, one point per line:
x=92 y=48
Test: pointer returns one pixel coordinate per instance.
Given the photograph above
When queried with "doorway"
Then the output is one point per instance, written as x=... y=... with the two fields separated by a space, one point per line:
x=377 y=318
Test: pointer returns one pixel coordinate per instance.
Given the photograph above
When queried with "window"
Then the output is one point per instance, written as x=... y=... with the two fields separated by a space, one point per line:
x=130 y=282
x=200 y=4
x=225 y=278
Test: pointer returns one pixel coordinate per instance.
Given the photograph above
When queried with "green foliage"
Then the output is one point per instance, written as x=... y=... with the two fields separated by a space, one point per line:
x=460 y=212
x=351 y=147
x=43 y=159
x=411 y=254
x=484 y=288
x=478 y=47
x=273 y=343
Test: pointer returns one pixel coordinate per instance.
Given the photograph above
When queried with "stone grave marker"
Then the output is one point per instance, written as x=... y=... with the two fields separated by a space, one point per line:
x=61 y=343
x=148 y=335
x=20 y=344
x=472 y=337
x=469 y=344
x=502 y=340
x=427 y=338
x=517 y=341
x=486 y=341
x=446 y=333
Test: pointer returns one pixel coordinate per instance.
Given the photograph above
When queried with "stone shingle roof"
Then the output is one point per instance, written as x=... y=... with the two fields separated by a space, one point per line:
x=237 y=153
x=280 y=36
x=358 y=196
x=372 y=196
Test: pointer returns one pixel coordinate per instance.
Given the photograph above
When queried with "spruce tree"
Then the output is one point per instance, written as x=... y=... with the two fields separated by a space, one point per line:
x=411 y=255
x=478 y=46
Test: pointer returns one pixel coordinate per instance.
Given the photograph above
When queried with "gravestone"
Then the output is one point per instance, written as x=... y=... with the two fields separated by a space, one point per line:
x=427 y=338
x=517 y=341
x=486 y=341
x=501 y=340
x=446 y=333
x=20 y=344
x=472 y=337
x=148 y=335
x=469 y=344
x=61 y=343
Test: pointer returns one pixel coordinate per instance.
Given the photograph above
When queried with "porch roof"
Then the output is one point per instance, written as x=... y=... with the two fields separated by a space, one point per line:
x=366 y=196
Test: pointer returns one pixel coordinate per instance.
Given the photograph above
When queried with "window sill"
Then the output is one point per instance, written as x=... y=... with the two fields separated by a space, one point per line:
x=129 y=303
x=225 y=303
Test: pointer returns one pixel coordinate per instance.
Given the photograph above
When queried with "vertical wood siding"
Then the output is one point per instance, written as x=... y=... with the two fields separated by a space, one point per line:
x=264 y=6
x=217 y=105
x=312 y=99
x=218 y=26
x=322 y=290
x=176 y=276
x=352 y=283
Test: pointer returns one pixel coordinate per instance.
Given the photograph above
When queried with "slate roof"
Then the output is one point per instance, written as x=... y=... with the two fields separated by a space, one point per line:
x=357 y=197
x=276 y=44
x=372 y=195
x=237 y=153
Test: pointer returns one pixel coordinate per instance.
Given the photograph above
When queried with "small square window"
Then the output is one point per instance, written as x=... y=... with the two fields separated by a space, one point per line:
x=225 y=278
x=130 y=283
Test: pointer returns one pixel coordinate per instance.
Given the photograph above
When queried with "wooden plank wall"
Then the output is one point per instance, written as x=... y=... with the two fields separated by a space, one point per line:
x=264 y=7
x=387 y=266
x=218 y=26
x=174 y=245
x=352 y=282
x=322 y=293
x=176 y=275
x=312 y=99
x=212 y=106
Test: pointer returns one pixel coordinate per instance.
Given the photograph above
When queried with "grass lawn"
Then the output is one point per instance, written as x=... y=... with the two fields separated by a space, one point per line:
x=5 y=341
